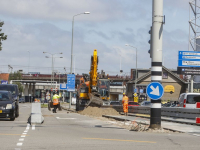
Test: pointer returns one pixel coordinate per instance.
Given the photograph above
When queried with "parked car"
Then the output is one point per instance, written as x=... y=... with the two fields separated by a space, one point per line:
x=8 y=106
x=115 y=103
x=130 y=103
x=13 y=88
x=145 y=103
x=188 y=100
x=21 y=100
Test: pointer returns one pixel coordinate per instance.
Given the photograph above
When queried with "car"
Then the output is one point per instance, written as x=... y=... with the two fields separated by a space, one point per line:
x=188 y=100
x=8 y=105
x=115 y=103
x=13 y=88
x=21 y=100
x=131 y=103
x=145 y=103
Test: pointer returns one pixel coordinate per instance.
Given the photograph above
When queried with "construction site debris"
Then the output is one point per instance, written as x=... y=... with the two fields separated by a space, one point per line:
x=98 y=112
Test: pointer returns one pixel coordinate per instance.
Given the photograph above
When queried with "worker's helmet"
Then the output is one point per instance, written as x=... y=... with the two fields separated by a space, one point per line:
x=123 y=93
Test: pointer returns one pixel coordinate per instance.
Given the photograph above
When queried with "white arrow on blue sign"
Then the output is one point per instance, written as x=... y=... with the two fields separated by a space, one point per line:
x=155 y=90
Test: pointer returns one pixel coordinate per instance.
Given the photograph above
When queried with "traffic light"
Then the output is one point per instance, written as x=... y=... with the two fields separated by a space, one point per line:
x=150 y=42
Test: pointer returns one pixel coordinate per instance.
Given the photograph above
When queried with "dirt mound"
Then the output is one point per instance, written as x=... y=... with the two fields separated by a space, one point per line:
x=98 y=112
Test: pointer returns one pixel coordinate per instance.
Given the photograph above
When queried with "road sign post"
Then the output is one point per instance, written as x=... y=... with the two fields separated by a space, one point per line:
x=156 y=61
x=70 y=86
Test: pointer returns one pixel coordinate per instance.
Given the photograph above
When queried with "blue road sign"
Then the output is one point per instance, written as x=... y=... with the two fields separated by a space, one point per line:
x=71 y=82
x=155 y=90
x=188 y=55
x=188 y=59
x=188 y=63
x=63 y=86
x=4 y=82
x=135 y=90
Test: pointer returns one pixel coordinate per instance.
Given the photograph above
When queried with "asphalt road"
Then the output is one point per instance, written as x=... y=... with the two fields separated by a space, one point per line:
x=63 y=131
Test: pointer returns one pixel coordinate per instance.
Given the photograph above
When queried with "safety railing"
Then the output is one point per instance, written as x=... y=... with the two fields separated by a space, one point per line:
x=177 y=112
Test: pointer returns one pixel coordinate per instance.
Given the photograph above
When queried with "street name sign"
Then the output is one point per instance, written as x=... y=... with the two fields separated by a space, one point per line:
x=155 y=90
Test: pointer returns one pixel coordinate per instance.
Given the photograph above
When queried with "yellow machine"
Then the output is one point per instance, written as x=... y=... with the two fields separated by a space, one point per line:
x=92 y=90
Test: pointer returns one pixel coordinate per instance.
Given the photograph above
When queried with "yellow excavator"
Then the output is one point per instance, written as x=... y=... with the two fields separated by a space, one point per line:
x=93 y=89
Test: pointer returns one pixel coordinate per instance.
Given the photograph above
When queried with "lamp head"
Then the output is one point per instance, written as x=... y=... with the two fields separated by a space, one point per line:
x=86 y=12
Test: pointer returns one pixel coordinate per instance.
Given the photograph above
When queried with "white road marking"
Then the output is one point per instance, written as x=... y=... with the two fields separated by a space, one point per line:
x=22 y=139
x=65 y=118
x=196 y=134
x=19 y=144
x=24 y=133
x=23 y=136
x=33 y=127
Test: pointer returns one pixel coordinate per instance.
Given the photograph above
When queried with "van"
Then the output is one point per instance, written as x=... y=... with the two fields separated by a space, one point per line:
x=13 y=88
x=189 y=100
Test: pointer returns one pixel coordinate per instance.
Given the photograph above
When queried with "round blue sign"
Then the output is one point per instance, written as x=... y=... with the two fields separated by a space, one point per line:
x=155 y=90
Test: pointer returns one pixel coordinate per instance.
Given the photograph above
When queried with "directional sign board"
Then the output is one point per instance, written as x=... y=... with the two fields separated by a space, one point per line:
x=71 y=82
x=155 y=90
x=188 y=70
x=189 y=59
x=63 y=86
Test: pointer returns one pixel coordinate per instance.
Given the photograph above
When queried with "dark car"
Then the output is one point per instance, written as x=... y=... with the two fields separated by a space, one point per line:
x=13 y=88
x=115 y=103
x=8 y=106
x=130 y=103
x=145 y=103
x=21 y=100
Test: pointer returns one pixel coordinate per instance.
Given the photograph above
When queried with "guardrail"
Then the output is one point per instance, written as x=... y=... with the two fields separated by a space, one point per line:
x=177 y=112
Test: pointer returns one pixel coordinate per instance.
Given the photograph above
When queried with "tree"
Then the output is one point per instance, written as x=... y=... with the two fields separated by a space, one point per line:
x=17 y=76
x=2 y=36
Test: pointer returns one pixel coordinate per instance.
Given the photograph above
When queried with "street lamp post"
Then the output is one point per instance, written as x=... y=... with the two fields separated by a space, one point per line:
x=135 y=65
x=72 y=50
x=28 y=61
x=52 y=55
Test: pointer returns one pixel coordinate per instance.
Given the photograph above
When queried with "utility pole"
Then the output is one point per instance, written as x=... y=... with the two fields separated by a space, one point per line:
x=156 y=61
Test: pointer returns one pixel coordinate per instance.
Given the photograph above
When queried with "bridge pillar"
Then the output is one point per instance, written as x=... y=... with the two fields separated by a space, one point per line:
x=26 y=93
x=30 y=92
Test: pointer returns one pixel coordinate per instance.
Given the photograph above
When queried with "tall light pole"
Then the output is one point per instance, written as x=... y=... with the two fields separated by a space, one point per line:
x=135 y=65
x=52 y=55
x=72 y=49
x=28 y=61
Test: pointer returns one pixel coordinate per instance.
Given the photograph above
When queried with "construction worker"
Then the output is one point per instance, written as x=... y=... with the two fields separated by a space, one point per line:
x=125 y=104
x=55 y=101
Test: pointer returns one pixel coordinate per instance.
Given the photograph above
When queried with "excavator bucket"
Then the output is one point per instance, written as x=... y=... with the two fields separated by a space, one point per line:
x=95 y=101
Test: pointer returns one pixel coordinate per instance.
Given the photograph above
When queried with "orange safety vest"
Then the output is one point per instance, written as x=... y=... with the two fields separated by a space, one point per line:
x=55 y=99
x=125 y=103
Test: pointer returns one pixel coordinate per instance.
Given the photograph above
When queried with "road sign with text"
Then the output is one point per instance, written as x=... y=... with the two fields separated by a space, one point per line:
x=71 y=82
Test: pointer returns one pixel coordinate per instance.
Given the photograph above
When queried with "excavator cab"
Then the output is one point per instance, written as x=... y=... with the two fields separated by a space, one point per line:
x=104 y=89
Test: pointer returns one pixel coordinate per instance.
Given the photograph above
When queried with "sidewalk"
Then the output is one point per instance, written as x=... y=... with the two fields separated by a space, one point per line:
x=173 y=126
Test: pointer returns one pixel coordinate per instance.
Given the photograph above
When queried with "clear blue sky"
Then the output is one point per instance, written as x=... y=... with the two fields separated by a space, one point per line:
x=46 y=25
